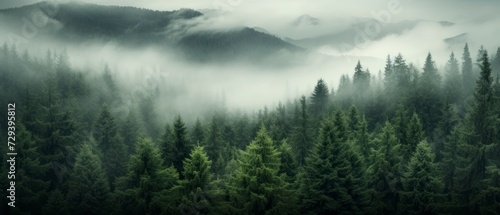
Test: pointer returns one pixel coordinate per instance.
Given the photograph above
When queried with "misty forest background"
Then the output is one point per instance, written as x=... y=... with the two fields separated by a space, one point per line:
x=403 y=140
x=412 y=141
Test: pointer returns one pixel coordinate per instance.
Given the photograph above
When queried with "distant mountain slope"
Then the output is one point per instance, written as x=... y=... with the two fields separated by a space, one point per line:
x=347 y=36
x=79 y=22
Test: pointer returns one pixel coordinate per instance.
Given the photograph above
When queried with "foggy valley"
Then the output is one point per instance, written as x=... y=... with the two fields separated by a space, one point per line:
x=250 y=107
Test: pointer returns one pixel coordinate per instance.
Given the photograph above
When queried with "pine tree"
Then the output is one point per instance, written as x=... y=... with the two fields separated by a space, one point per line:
x=401 y=74
x=56 y=204
x=344 y=91
x=130 y=131
x=140 y=190
x=453 y=85
x=214 y=143
x=279 y=127
x=114 y=152
x=181 y=143
x=415 y=135
x=197 y=187
x=449 y=120
x=30 y=186
x=385 y=171
x=467 y=75
x=257 y=188
x=430 y=96
x=331 y=181
x=56 y=134
x=422 y=186
x=167 y=146
x=301 y=138
x=360 y=80
x=289 y=165
x=319 y=100
x=495 y=64
x=353 y=124
x=89 y=191
x=389 y=80
x=197 y=133
x=400 y=123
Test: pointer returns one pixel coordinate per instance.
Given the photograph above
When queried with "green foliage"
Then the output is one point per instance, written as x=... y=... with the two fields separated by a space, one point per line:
x=301 y=137
x=197 y=186
x=114 y=152
x=257 y=187
x=385 y=171
x=421 y=185
x=89 y=191
x=319 y=100
x=146 y=181
x=331 y=181
x=467 y=73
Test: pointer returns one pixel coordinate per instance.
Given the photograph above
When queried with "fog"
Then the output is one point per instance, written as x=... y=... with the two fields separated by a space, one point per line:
x=250 y=86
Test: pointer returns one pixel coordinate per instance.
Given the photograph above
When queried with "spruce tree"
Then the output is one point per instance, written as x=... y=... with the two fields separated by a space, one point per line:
x=56 y=204
x=89 y=191
x=332 y=179
x=467 y=75
x=422 y=186
x=197 y=187
x=385 y=171
x=114 y=152
x=257 y=186
x=319 y=100
x=181 y=143
x=430 y=96
x=301 y=135
x=30 y=186
x=415 y=135
x=453 y=85
x=145 y=184
x=197 y=133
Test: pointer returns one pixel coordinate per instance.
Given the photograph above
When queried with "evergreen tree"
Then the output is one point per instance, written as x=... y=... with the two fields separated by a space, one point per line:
x=360 y=80
x=114 y=152
x=279 y=127
x=495 y=64
x=197 y=186
x=354 y=123
x=389 y=80
x=197 y=133
x=167 y=146
x=257 y=187
x=214 y=143
x=181 y=143
x=344 y=91
x=400 y=123
x=56 y=204
x=331 y=181
x=448 y=121
x=56 y=134
x=130 y=131
x=89 y=191
x=422 y=186
x=467 y=75
x=415 y=135
x=430 y=96
x=141 y=188
x=30 y=186
x=301 y=137
x=453 y=85
x=385 y=171
x=289 y=165
x=319 y=100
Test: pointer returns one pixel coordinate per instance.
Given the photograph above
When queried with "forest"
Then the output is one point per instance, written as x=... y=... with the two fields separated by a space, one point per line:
x=407 y=140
